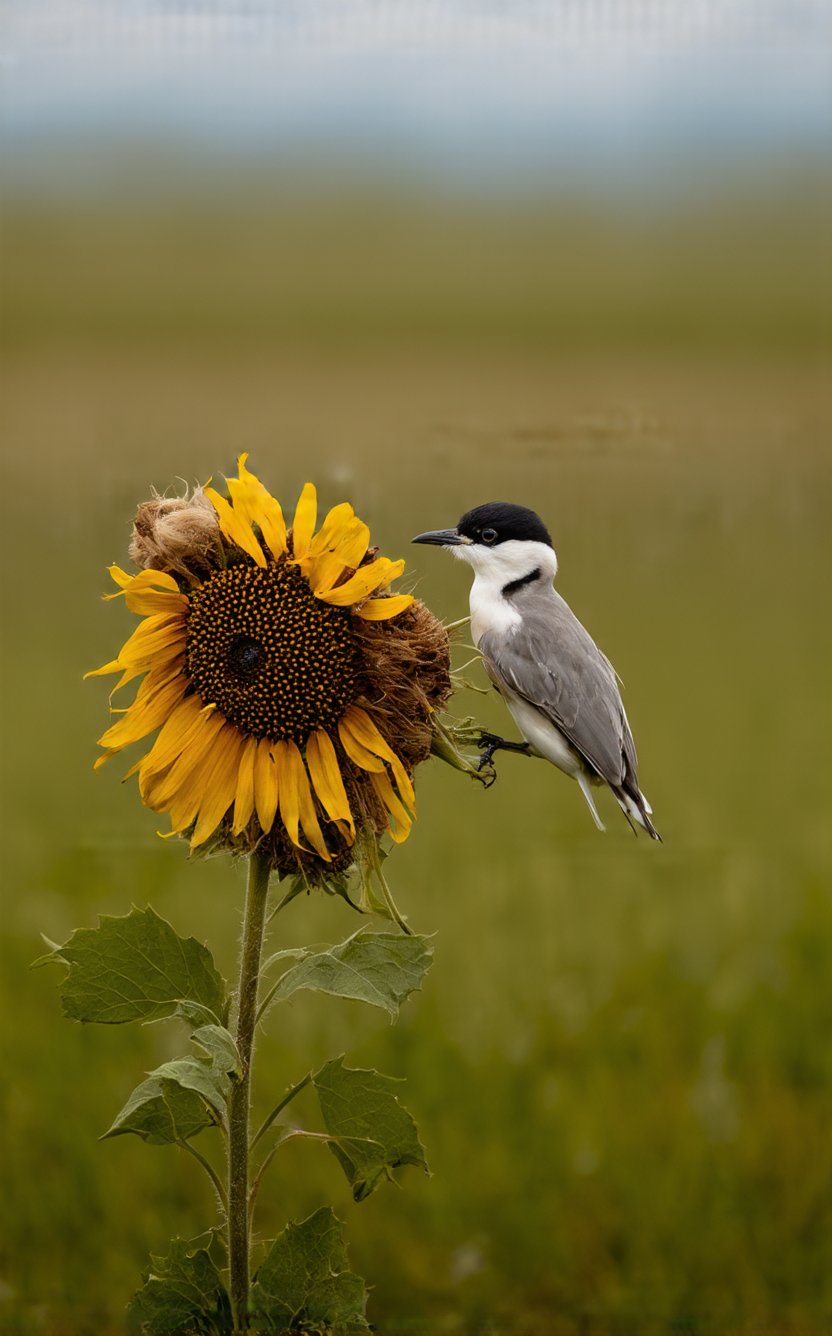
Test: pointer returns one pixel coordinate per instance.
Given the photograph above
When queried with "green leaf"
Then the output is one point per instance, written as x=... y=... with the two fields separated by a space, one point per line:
x=219 y=1045
x=305 y=1283
x=162 y=1112
x=136 y=968
x=173 y=1097
x=192 y=1013
x=376 y=1134
x=199 y=1076
x=380 y=968
x=183 y=1294
x=290 y=953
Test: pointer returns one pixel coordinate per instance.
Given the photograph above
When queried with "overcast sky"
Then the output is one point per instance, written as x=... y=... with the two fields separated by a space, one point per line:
x=440 y=76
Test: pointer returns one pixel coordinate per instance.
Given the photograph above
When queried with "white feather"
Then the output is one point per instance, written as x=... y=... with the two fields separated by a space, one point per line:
x=494 y=568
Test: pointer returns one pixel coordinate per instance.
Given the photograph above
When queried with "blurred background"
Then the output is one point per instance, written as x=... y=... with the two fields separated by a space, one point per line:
x=570 y=254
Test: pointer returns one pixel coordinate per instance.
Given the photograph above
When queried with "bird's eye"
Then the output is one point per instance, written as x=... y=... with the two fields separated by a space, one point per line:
x=489 y=535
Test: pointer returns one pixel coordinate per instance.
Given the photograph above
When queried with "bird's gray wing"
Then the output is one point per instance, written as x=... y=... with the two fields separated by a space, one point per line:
x=553 y=662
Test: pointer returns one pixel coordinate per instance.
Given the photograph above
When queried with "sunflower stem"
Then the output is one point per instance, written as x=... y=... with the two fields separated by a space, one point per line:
x=240 y=1100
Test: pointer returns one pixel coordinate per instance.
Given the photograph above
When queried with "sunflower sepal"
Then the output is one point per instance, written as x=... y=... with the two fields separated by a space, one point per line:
x=450 y=737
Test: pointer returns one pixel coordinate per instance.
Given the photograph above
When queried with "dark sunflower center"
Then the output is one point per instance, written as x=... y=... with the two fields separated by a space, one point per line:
x=275 y=661
x=245 y=657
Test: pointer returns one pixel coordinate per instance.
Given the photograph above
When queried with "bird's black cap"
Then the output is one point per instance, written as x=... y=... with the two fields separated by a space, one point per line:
x=506 y=521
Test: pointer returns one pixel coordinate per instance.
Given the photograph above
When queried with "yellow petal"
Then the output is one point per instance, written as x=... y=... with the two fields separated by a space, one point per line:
x=296 y=805
x=127 y=676
x=356 y=750
x=395 y=807
x=242 y=491
x=190 y=777
x=203 y=782
x=244 y=800
x=309 y=817
x=121 y=578
x=181 y=726
x=325 y=774
x=347 y=554
x=156 y=579
x=332 y=530
x=375 y=575
x=174 y=664
x=266 y=784
x=379 y=609
x=140 y=580
x=265 y=510
x=133 y=650
x=112 y=667
x=303 y=525
x=182 y=808
x=273 y=526
x=152 y=636
x=183 y=775
x=168 y=663
x=148 y=592
x=145 y=601
x=155 y=652
x=221 y=786
x=235 y=527
x=396 y=569
x=148 y=641
x=287 y=790
x=157 y=677
x=144 y=716
x=359 y=724
x=146 y=579
x=186 y=806
x=352 y=548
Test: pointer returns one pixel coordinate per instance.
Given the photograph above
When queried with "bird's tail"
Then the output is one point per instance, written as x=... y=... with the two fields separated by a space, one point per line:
x=636 y=808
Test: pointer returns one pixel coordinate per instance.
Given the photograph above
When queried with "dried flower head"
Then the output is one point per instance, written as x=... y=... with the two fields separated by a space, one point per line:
x=292 y=691
x=177 y=535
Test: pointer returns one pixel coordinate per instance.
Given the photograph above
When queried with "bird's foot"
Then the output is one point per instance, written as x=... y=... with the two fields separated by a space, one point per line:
x=489 y=743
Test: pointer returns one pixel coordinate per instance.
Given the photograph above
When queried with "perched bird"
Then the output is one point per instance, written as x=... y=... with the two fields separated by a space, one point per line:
x=561 y=691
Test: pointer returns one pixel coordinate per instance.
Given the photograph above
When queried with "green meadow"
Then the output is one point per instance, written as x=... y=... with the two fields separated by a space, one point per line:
x=620 y=1063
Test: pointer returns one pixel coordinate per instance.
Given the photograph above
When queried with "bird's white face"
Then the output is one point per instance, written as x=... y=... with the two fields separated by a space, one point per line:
x=507 y=561
x=508 y=547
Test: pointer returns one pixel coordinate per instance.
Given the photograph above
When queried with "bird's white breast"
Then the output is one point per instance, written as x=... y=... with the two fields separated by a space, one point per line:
x=541 y=733
x=490 y=611
x=494 y=568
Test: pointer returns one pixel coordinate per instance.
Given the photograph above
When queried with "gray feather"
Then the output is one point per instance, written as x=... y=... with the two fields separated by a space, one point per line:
x=556 y=666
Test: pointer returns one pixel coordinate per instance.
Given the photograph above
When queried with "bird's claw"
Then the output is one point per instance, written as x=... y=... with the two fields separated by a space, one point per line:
x=488 y=743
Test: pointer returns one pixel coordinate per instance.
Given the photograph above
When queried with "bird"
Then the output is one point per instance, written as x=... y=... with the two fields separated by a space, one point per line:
x=560 y=689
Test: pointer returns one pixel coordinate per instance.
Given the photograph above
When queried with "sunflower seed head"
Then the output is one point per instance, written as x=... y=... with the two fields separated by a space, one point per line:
x=177 y=534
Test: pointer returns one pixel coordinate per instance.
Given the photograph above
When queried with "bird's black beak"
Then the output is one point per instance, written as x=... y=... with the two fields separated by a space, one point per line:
x=440 y=537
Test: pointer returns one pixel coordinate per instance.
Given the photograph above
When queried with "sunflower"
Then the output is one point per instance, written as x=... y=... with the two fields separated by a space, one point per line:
x=291 y=690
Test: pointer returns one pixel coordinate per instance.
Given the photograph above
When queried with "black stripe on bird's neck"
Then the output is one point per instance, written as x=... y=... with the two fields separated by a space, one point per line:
x=513 y=585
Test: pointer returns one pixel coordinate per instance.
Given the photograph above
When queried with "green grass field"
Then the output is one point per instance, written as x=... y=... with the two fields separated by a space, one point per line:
x=620 y=1064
